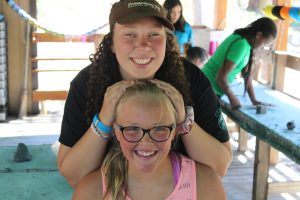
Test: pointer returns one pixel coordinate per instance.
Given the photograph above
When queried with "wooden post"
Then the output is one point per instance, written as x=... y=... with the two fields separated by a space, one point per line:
x=16 y=50
x=280 y=63
x=243 y=140
x=282 y=35
x=220 y=14
x=281 y=45
x=282 y=28
x=274 y=156
x=261 y=171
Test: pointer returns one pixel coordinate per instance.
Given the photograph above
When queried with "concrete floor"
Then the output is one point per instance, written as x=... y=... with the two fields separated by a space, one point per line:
x=38 y=178
x=33 y=180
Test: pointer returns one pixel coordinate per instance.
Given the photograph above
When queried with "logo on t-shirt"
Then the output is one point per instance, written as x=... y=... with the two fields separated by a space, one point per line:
x=221 y=121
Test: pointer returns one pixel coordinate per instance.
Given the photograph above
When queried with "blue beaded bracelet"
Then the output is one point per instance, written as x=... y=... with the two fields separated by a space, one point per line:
x=100 y=126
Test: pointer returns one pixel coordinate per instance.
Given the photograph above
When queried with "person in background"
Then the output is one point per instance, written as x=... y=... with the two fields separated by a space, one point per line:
x=142 y=164
x=183 y=30
x=140 y=45
x=197 y=55
x=235 y=54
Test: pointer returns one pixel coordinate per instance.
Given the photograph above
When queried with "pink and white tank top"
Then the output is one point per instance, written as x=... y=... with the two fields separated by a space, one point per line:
x=184 y=173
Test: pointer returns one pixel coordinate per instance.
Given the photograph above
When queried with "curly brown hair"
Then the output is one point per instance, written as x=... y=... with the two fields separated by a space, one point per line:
x=104 y=72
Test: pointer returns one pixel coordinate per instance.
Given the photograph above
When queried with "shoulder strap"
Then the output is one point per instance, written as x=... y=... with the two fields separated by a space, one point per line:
x=176 y=167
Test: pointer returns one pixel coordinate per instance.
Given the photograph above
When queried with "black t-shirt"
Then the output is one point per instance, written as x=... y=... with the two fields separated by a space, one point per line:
x=206 y=107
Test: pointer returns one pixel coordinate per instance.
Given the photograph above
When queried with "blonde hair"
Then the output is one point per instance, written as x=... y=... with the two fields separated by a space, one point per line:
x=115 y=166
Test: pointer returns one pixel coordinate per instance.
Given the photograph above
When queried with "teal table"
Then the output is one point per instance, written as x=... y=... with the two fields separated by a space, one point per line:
x=270 y=130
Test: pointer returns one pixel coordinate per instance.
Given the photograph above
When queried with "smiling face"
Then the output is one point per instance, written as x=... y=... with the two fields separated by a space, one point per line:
x=145 y=111
x=140 y=48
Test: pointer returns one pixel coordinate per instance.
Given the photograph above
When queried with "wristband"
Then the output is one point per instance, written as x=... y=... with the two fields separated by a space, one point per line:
x=100 y=127
x=99 y=133
x=185 y=127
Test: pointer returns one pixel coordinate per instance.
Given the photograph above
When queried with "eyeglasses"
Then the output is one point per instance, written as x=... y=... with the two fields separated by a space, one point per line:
x=135 y=134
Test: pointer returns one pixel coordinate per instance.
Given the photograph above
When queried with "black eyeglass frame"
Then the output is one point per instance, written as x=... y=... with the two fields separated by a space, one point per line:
x=122 y=128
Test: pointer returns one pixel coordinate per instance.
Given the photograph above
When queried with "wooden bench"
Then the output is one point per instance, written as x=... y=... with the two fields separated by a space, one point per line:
x=271 y=131
x=42 y=95
x=49 y=95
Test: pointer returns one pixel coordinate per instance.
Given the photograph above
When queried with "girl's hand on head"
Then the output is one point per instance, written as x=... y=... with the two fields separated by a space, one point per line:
x=111 y=98
x=175 y=97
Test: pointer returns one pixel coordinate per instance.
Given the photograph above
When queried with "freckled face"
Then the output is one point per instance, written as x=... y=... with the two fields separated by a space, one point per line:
x=175 y=13
x=145 y=155
x=140 y=48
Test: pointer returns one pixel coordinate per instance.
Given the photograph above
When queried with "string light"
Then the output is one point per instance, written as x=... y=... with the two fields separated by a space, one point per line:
x=22 y=13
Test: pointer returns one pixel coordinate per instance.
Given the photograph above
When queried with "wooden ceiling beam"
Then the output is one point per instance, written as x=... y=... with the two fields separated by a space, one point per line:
x=220 y=14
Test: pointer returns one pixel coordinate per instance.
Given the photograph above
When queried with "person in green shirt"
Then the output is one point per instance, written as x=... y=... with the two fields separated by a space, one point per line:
x=235 y=55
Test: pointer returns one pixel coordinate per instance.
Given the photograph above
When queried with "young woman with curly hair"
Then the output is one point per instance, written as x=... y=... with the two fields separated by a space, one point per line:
x=140 y=45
